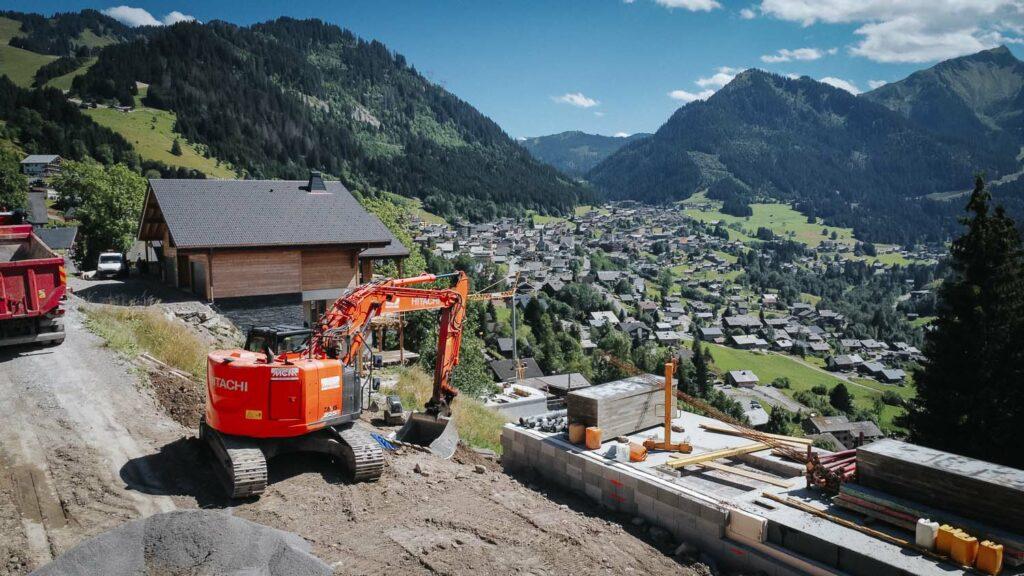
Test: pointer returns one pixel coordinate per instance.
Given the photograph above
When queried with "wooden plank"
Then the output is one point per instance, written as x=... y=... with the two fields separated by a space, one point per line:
x=709 y=456
x=747 y=474
x=734 y=432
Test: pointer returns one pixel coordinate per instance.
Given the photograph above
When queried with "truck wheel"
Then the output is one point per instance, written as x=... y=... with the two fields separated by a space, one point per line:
x=56 y=342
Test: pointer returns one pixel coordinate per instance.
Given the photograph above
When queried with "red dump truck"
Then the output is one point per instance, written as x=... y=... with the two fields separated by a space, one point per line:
x=33 y=287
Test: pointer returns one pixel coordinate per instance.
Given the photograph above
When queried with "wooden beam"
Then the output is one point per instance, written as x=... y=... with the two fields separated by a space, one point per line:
x=707 y=457
x=775 y=481
x=734 y=432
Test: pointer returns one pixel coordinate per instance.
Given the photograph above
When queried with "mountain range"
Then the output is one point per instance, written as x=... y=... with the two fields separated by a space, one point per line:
x=281 y=98
x=575 y=152
x=877 y=162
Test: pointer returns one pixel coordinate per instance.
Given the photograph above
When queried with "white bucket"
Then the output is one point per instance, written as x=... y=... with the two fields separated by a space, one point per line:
x=926 y=533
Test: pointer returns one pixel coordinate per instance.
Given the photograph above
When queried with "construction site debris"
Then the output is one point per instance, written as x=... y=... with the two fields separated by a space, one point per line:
x=554 y=421
x=214 y=328
x=193 y=543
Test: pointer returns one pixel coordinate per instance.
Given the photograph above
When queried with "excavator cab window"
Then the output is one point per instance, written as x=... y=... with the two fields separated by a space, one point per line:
x=278 y=339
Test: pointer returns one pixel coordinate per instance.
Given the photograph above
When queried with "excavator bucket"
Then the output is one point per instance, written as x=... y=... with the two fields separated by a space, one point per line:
x=438 y=433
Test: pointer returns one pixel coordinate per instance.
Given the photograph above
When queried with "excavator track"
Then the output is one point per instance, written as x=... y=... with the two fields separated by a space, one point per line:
x=364 y=458
x=243 y=465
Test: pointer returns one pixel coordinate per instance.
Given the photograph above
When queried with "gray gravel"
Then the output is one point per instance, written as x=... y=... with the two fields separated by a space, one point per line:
x=193 y=543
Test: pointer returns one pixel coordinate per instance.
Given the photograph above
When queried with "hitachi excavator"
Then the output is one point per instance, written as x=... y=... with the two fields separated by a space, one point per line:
x=307 y=398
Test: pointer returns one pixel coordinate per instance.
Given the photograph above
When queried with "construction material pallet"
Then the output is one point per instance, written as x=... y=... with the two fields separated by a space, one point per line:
x=987 y=492
x=619 y=408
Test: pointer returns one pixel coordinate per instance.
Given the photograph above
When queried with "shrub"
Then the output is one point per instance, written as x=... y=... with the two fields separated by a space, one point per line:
x=781 y=382
x=820 y=390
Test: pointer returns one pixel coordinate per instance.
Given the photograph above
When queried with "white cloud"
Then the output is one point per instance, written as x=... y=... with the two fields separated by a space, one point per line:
x=793 y=76
x=841 y=84
x=911 y=30
x=599 y=114
x=687 y=97
x=134 y=17
x=787 y=55
x=174 y=17
x=622 y=134
x=723 y=76
x=748 y=14
x=691 y=5
x=876 y=83
x=576 y=99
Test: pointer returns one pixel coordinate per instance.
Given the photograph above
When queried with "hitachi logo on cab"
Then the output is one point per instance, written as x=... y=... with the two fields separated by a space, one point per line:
x=231 y=385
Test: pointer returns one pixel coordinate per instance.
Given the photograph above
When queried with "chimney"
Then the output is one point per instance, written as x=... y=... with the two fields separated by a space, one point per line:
x=316 y=183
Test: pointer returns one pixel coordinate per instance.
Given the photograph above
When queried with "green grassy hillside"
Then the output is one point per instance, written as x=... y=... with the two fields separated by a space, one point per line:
x=151 y=133
x=804 y=377
x=20 y=65
x=64 y=82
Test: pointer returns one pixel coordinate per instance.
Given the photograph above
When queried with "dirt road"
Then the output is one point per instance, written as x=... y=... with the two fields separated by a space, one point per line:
x=85 y=447
x=72 y=416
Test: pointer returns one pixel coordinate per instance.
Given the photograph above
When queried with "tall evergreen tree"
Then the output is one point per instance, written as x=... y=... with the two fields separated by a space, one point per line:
x=701 y=376
x=969 y=401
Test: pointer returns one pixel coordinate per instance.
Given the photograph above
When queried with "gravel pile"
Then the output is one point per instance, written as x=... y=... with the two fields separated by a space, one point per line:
x=193 y=543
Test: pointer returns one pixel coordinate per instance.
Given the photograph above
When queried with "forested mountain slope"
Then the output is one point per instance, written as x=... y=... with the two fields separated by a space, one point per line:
x=280 y=98
x=575 y=152
x=976 y=99
x=833 y=155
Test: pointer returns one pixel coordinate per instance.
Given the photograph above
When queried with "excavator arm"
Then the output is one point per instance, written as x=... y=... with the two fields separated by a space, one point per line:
x=345 y=324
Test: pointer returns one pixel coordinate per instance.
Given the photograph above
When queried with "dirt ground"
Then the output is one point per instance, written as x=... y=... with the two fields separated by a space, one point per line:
x=87 y=445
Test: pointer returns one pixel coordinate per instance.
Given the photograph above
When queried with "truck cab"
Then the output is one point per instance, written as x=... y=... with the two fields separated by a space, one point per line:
x=111 y=264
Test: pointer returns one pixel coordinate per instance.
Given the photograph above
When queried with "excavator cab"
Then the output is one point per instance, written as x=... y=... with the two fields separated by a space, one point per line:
x=278 y=339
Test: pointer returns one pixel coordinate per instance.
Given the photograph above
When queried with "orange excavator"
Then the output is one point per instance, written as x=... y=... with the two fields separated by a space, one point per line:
x=260 y=403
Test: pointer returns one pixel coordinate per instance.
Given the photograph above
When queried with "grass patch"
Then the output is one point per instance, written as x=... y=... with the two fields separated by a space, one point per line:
x=151 y=133
x=768 y=367
x=785 y=222
x=64 y=82
x=19 y=65
x=922 y=321
x=134 y=330
x=479 y=426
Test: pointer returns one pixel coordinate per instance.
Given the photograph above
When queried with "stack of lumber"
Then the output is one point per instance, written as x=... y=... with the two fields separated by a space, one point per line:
x=904 y=514
x=989 y=493
x=618 y=408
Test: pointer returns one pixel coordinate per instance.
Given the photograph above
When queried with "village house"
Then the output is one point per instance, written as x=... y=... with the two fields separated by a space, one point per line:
x=40 y=165
x=849 y=434
x=742 y=378
x=291 y=246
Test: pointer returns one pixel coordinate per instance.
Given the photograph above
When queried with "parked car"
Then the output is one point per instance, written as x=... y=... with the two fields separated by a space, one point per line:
x=111 y=264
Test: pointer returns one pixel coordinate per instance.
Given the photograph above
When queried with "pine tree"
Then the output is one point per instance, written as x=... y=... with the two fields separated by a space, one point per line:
x=968 y=399
x=176 y=148
x=840 y=399
x=701 y=376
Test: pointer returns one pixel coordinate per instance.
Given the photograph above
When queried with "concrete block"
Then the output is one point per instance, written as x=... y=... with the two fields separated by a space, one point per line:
x=667 y=496
x=648 y=489
x=592 y=491
x=688 y=505
x=685 y=527
x=709 y=530
x=716 y=514
x=645 y=508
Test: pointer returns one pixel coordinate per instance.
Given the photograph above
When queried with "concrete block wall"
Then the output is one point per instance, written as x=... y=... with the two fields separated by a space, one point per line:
x=687 y=516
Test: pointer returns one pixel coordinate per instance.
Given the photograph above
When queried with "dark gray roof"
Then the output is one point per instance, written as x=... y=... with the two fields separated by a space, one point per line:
x=58 y=238
x=39 y=158
x=236 y=213
x=505 y=370
x=393 y=250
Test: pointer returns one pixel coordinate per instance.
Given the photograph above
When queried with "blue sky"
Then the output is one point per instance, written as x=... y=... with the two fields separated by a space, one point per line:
x=613 y=66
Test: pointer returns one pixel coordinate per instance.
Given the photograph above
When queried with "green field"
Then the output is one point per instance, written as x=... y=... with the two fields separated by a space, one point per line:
x=19 y=65
x=784 y=221
x=769 y=366
x=64 y=82
x=151 y=132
